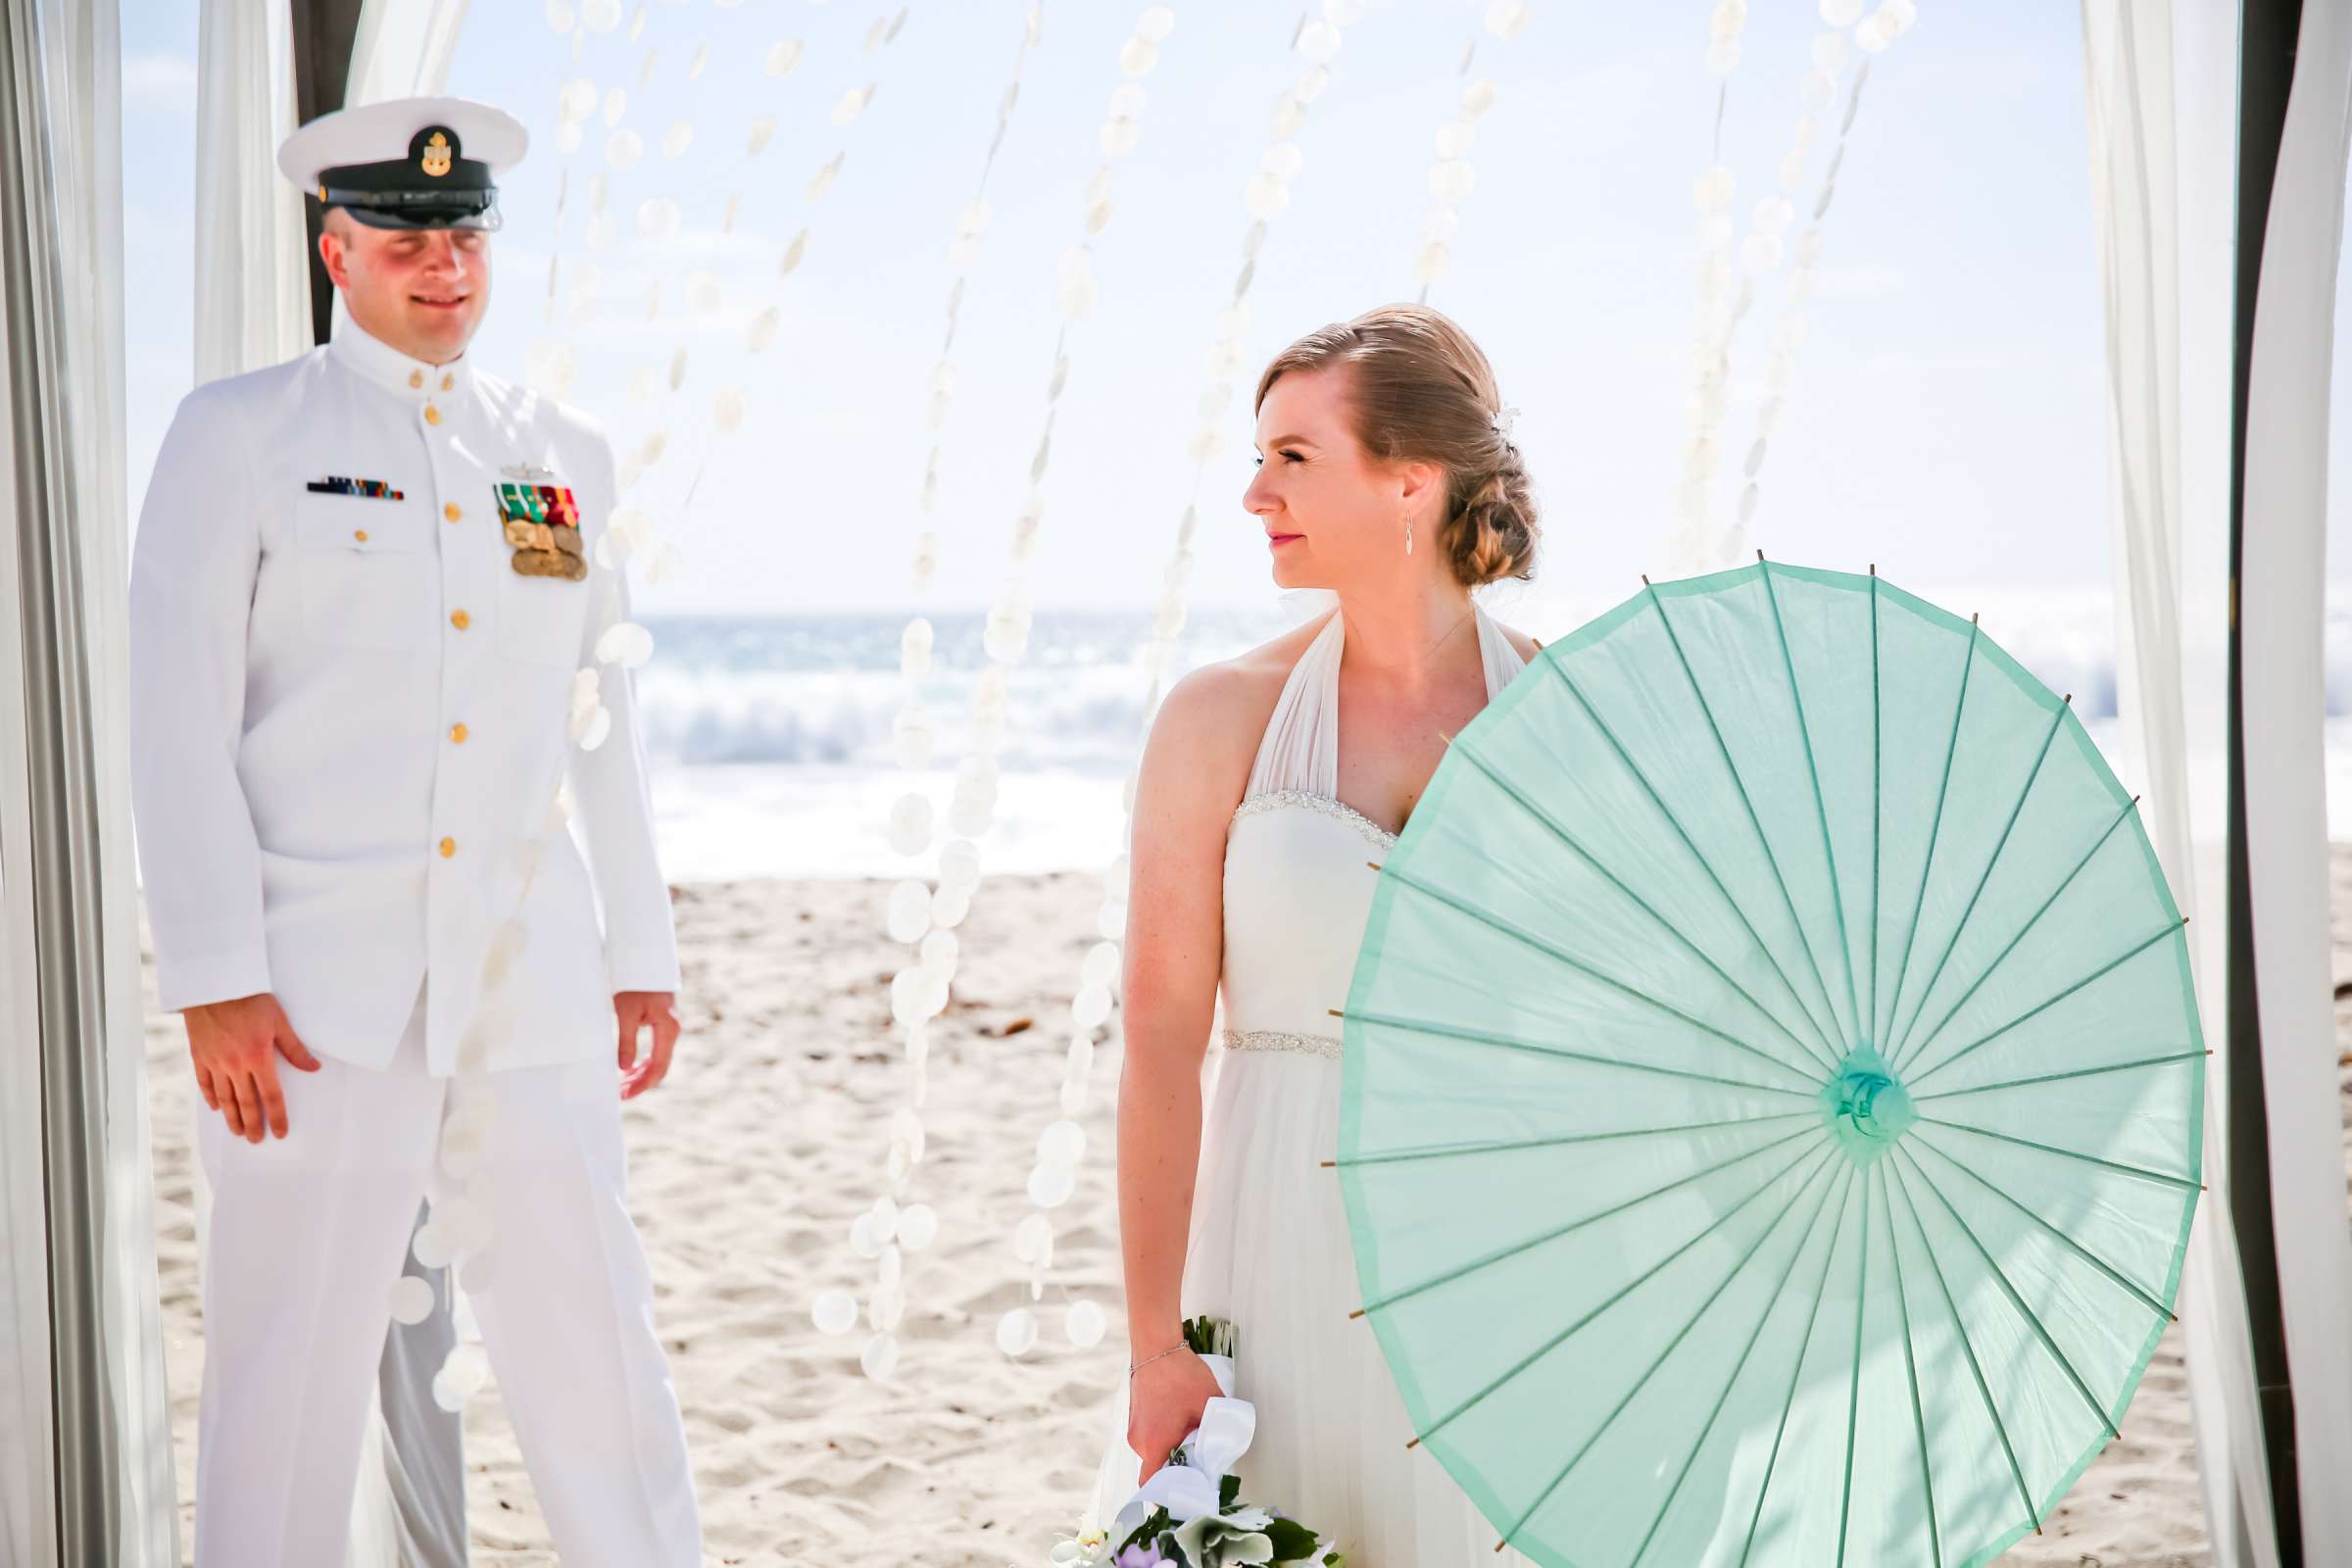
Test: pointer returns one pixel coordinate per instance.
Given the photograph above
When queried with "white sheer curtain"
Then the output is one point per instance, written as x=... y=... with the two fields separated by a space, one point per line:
x=2282 y=579
x=252 y=262
x=2162 y=100
x=403 y=49
x=2171 y=639
x=70 y=1000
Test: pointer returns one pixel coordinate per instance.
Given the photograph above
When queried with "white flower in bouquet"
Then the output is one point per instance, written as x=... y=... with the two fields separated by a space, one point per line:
x=1090 y=1546
x=1214 y=1539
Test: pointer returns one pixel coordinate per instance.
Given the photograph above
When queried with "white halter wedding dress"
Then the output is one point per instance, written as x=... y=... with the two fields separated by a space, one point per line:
x=1268 y=1247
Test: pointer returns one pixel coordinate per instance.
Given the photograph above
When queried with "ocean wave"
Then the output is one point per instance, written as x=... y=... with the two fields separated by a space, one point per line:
x=827 y=689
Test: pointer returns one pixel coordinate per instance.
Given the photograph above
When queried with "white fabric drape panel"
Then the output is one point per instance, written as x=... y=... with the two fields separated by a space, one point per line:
x=402 y=48
x=2162 y=91
x=27 y=1423
x=251 y=260
x=2172 y=641
x=85 y=73
x=65 y=59
x=2282 y=617
x=28 y=1478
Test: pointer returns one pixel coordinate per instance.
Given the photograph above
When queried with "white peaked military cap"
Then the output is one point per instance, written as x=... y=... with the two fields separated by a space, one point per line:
x=408 y=162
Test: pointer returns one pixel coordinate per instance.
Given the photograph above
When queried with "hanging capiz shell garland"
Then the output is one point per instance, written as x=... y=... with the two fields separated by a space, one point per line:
x=892 y=1226
x=1698 y=545
x=1450 y=177
x=916 y=911
x=1061 y=1145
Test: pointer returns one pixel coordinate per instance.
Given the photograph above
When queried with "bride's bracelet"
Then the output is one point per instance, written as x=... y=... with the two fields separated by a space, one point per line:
x=1133 y=1367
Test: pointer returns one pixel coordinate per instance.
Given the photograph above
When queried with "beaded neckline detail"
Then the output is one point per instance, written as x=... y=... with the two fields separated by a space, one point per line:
x=1315 y=800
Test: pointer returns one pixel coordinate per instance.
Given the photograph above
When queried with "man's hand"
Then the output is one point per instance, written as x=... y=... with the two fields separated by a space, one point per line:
x=234 y=1047
x=642 y=1009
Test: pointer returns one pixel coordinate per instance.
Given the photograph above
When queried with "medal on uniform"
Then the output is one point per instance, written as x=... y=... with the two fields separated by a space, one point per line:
x=542 y=522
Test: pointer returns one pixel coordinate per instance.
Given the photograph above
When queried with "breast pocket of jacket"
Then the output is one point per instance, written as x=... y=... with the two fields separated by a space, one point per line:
x=540 y=620
x=367 y=576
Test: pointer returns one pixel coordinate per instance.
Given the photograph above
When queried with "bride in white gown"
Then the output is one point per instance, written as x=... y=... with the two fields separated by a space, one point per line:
x=1386 y=475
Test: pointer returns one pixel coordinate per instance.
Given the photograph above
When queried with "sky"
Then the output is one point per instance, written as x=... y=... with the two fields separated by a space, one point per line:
x=1947 y=419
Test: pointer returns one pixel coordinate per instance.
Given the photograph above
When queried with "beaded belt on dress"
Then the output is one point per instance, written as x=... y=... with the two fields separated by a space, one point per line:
x=1282 y=1039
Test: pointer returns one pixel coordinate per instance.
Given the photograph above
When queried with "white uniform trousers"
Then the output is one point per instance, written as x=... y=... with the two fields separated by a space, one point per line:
x=310 y=1232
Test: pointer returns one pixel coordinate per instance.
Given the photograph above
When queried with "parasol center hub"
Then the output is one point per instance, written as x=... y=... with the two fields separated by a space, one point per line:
x=1866 y=1106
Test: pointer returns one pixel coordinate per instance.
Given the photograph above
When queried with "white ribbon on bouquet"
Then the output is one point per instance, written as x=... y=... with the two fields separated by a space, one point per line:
x=1188 y=1486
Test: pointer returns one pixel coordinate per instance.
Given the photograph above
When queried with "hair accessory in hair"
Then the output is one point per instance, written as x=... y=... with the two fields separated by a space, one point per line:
x=1502 y=420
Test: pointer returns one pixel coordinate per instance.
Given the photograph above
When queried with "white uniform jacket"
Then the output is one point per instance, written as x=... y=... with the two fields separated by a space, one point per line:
x=350 y=713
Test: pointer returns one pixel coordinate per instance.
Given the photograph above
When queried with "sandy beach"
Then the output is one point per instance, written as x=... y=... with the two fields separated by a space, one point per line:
x=749 y=1166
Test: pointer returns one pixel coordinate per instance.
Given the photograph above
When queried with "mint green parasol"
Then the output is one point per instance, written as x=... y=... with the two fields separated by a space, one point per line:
x=1772 y=1089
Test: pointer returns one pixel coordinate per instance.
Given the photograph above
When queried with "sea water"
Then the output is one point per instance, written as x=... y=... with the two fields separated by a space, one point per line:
x=770 y=737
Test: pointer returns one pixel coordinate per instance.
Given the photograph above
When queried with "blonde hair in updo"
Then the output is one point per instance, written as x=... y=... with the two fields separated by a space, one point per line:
x=1420 y=390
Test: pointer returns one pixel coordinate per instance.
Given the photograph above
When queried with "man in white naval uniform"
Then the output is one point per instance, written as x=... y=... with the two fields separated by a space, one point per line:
x=356 y=616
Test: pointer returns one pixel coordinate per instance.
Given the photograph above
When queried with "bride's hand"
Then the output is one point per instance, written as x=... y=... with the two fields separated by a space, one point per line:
x=1164 y=1402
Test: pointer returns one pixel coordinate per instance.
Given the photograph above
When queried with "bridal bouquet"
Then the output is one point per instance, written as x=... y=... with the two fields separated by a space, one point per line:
x=1190 y=1514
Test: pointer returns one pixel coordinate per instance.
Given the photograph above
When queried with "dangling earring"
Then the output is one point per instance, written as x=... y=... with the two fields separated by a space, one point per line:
x=1409 y=533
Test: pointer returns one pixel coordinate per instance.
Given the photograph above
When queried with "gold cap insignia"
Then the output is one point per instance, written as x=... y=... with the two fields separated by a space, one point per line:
x=435 y=161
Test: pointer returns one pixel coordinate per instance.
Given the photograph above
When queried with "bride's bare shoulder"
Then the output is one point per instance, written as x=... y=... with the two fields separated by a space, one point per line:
x=1218 y=711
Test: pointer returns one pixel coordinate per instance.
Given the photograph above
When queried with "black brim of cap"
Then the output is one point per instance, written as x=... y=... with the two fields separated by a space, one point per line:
x=453 y=207
x=425 y=217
